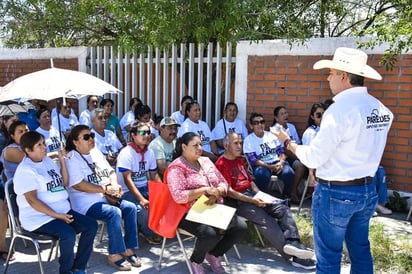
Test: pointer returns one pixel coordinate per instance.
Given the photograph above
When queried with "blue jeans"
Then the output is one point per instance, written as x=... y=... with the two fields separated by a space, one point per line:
x=342 y=213
x=112 y=216
x=381 y=185
x=142 y=215
x=67 y=238
x=263 y=177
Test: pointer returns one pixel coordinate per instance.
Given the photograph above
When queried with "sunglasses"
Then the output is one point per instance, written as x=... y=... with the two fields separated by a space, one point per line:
x=143 y=132
x=87 y=136
x=318 y=114
x=101 y=118
x=258 y=122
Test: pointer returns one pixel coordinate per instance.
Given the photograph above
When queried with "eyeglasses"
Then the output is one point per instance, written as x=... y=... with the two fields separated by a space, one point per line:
x=143 y=132
x=318 y=115
x=258 y=122
x=87 y=136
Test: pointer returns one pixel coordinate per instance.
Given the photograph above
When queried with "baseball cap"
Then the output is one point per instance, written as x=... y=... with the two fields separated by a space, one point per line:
x=168 y=121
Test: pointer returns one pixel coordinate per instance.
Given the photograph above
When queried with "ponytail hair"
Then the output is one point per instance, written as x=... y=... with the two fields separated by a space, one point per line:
x=185 y=139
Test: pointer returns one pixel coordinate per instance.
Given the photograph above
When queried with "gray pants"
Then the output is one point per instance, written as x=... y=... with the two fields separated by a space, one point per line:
x=275 y=222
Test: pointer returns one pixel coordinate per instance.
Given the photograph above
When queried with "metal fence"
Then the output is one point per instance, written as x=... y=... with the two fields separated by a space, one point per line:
x=160 y=78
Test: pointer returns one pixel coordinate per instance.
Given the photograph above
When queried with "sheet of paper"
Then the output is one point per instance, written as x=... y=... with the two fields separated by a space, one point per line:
x=216 y=215
x=266 y=198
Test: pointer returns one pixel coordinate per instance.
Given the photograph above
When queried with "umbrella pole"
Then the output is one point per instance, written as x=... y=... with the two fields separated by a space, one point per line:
x=58 y=122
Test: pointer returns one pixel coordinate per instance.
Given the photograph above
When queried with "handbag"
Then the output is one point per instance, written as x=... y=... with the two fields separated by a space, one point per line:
x=164 y=213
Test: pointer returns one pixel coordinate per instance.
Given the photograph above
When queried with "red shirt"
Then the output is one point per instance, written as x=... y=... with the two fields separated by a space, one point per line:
x=235 y=173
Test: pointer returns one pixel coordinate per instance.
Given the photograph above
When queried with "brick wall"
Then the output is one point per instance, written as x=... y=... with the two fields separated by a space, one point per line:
x=289 y=80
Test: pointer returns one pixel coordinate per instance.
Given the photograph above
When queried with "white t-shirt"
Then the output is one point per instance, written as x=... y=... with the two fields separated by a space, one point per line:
x=266 y=148
x=162 y=149
x=66 y=124
x=45 y=178
x=309 y=134
x=201 y=128
x=129 y=159
x=351 y=139
x=109 y=144
x=127 y=119
x=293 y=133
x=237 y=126
x=79 y=171
x=86 y=118
x=178 y=117
x=52 y=138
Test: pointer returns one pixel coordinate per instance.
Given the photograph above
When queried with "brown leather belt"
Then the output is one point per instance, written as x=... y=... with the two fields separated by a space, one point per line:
x=354 y=182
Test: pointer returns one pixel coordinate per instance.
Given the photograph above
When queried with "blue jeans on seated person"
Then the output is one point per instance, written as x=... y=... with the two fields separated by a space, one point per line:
x=381 y=185
x=67 y=238
x=342 y=213
x=263 y=177
x=142 y=214
x=112 y=216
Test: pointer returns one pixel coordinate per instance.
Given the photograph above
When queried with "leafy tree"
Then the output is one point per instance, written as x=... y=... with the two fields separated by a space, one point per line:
x=134 y=24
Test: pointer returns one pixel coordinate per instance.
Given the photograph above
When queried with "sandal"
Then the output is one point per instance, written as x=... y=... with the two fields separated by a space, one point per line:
x=134 y=260
x=122 y=265
x=4 y=254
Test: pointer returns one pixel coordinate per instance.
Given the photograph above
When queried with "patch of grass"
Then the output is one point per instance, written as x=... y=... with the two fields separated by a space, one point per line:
x=390 y=255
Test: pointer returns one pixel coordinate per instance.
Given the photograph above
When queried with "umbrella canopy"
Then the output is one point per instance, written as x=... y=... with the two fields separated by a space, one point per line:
x=54 y=83
x=11 y=108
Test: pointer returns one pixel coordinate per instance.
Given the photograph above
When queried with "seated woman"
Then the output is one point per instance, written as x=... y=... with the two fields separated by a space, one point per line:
x=193 y=123
x=136 y=165
x=189 y=177
x=12 y=154
x=91 y=176
x=53 y=137
x=112 y=124
x=106 y=141
x=314 y=119
x=266 y=155
x=281 y=117
x=44 y=207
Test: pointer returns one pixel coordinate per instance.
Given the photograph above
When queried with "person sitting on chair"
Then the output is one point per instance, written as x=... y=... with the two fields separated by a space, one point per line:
x=189 y=177
x=266 y=155
x=275 y=220
x=44 y=206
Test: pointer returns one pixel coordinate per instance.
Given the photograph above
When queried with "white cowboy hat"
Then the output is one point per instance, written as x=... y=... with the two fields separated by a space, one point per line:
x=349 y=60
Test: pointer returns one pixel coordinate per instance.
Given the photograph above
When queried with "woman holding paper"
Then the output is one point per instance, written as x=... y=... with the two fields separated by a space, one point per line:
x=189 y=177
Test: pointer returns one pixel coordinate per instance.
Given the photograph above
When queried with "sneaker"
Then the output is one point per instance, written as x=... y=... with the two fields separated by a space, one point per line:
x=197 y=268
x=383 y=210
x=215 y=263
x=295 y=248
x=303 y=263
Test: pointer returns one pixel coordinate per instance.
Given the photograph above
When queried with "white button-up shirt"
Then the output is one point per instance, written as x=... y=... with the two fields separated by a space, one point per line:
x=351 y=139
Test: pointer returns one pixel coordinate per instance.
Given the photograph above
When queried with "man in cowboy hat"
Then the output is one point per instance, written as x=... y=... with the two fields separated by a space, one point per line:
x=345 y=153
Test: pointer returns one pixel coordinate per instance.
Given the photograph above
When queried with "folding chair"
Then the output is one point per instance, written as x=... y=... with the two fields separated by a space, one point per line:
x=302 y=199
x=180 y=232
x=19 y=232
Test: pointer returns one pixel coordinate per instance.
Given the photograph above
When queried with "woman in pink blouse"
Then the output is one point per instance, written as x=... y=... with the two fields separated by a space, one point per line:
x=189 y=177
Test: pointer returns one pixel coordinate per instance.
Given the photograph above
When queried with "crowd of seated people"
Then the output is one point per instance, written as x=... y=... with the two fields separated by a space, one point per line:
x=101 y=159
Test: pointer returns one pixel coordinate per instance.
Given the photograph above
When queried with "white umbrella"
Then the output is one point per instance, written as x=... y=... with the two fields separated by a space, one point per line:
x=54 y=83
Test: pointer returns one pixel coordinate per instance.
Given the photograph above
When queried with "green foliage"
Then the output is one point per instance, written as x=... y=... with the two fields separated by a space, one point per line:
x=398 y=203
x=133 y=25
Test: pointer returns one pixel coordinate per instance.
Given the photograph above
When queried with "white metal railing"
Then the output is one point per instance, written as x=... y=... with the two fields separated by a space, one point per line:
x=160 y=78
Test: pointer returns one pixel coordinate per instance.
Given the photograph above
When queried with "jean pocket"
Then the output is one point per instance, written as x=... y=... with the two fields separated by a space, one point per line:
x=341 y=210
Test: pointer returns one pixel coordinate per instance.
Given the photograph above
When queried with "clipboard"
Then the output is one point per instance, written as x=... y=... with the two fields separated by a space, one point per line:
x=216 y=215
